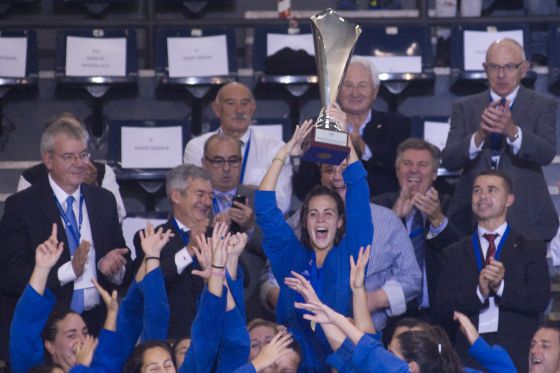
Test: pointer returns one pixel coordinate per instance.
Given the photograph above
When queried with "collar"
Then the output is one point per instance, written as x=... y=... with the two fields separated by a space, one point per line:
x=228 y=192
x=60 y=194
x=243 y=138
x=500 y=230
x=511 y=97
x=181 y=226
x=363 y=125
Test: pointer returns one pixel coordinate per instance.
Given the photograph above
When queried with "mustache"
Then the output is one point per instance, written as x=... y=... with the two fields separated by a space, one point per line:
x=239 y=116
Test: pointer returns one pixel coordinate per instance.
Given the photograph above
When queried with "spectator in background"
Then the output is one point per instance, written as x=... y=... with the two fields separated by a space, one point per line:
x=94 y=247
x=95 y=173
x=509 y=128
x=190 y=193
x=421 y=210
x=496 y=277
x=234 y=106
x=375 y=134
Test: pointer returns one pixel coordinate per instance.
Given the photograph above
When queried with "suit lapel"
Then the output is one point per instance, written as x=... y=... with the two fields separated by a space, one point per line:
x=93 y=210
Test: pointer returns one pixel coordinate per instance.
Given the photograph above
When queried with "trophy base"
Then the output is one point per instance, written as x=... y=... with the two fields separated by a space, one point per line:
x=326 y=146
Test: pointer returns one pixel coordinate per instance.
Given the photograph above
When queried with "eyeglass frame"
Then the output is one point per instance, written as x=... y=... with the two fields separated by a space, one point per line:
x=220 y=162
x=508 y=68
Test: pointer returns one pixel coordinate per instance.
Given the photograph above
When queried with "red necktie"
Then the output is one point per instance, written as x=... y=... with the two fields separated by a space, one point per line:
x=490 y=237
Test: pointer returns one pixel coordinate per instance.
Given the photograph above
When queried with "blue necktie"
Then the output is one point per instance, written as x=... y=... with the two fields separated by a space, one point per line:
x=77 y=303
x=418 y=242
x=225 y=200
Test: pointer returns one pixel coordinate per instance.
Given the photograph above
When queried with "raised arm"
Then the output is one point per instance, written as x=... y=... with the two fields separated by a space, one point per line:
x=291 y=148
x=362 y=317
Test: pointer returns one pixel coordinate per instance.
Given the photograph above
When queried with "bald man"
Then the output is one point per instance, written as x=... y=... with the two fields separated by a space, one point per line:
x=509 y=128
x=234 y=106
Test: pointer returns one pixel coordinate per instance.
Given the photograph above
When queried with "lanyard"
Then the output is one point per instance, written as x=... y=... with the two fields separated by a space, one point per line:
x=74 y=231
x=184 y=235
x=478 y=250
x=245 y=157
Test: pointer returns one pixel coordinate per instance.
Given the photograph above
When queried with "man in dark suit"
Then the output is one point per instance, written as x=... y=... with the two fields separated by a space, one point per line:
x=190 y=193
x=419 y=206
x=87 y=221
x=375 y=134
x=511 y=129
x=496 y=277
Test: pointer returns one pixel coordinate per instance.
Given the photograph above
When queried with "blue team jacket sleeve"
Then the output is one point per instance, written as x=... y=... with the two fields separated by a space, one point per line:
x=129 y=318
x=340 y=359
x=206 y=333
x=371 y=356
x=280 y=243
x=156 y=306
x=235 y=345
x=237 y=291
x=247 y=368
x=359 y=226
x=494 y=358
x=30 y=316
x=109 y=356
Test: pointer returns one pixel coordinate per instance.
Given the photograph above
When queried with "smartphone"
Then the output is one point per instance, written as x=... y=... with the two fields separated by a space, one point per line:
x=240 y=198
x=234 y=227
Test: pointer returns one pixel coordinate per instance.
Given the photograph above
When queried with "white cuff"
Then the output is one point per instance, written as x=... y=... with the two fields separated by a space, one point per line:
x=480 y=296
x=66 y=273
x=500 y=289
x=396 y=298
x=182 y=260
x=516 y=144
x=473 y=149
x=367 y=153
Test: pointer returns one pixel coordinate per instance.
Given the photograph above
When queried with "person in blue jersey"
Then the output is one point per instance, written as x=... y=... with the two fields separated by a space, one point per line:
x=331 y=233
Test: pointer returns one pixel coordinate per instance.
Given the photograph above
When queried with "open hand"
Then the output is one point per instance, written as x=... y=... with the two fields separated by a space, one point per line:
x=358 y=269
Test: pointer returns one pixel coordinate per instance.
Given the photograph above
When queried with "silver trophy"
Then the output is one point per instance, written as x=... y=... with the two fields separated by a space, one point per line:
x=334 y=40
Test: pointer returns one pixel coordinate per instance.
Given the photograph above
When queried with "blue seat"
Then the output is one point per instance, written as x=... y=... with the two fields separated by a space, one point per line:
x=198 y=87
x=473 y=81
x=288 y=75
x=5 y=5
x=97 y=7
x=400 y=41
x=554 y=58
x=27 y=81
x=97 y=86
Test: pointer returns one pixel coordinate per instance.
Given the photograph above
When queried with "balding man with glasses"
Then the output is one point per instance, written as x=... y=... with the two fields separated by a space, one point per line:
x=509 y=128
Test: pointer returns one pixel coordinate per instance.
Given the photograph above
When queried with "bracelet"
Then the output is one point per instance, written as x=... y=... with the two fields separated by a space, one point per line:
x=152 y=257
x=217 y=272
x=278 y=159
x=218 y=267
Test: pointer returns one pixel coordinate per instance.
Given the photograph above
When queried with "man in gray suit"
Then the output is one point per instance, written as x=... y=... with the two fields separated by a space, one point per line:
x=509 y=128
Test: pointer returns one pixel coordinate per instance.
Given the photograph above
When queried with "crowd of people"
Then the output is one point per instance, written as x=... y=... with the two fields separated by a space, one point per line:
x=376 y=271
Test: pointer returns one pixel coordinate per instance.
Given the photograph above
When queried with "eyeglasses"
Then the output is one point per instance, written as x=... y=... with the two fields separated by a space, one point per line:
x=73 y=157
x=219 y=162
x=508 y=67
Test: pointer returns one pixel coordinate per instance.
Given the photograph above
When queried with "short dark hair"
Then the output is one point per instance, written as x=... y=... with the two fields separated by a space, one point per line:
x=419 y=144
x=551 y=325
x=430 y=354
x=320 y=190
x=136 y=359
x=508 y=184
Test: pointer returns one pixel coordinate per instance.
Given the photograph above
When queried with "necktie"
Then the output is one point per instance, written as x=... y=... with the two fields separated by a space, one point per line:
x=496 y=142
x=225 y=200
x=491 y=246
x=72 y=233
x=418 y=242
